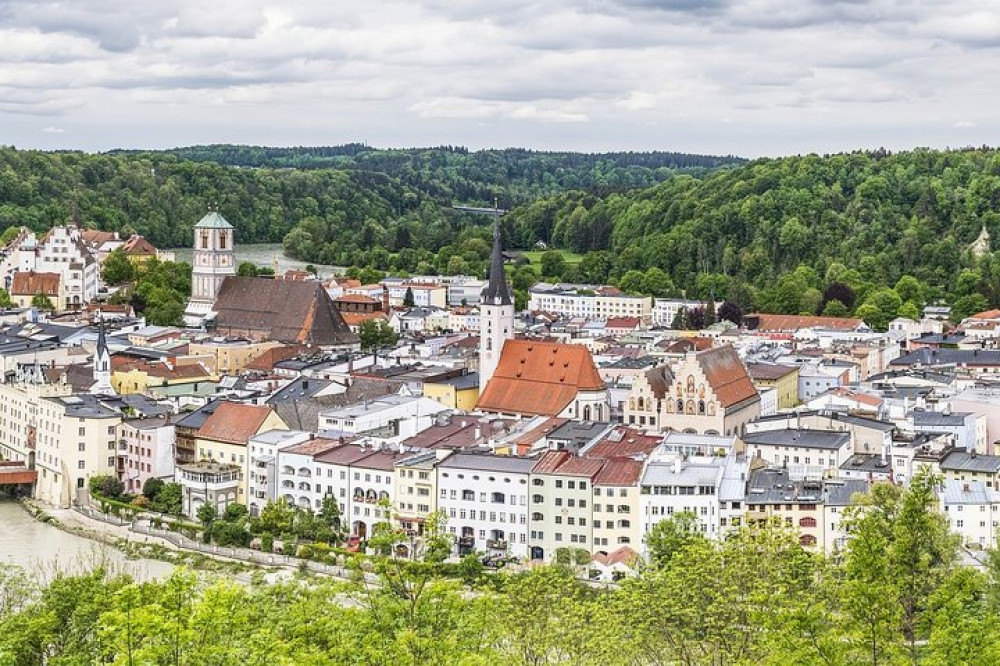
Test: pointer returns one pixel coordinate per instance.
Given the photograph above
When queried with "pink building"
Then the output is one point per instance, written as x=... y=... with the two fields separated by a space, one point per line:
x=146 y=449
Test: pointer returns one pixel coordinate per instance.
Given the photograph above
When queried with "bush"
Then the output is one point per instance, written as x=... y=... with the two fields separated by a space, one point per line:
x=106 y=485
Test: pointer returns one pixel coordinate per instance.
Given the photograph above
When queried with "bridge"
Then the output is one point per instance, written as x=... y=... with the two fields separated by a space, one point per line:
x=16 y=477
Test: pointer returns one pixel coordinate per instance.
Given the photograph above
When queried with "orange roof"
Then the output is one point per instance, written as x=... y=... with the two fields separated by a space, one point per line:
x=539 y=378
x=624 y=442
x=138 y=246
x=780 y=322
x=234 y=422
x=623 y=555
x=863 y=398
x=355 y=298
x=986 y=314
x=356 y=318
x=32 y=283
x=619 y=472
x=622 y=322
x=726 y=374
x=265 y=362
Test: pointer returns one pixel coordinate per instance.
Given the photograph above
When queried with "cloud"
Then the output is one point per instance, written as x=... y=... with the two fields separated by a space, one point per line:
x=965 y=124
x=749 y=77
x=52 y=129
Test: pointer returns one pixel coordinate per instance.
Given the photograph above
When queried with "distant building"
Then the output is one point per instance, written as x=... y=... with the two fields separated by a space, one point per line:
x=496 y=313
x=213 y=260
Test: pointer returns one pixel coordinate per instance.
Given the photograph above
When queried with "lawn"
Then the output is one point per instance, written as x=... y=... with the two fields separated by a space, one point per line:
x=535 y=257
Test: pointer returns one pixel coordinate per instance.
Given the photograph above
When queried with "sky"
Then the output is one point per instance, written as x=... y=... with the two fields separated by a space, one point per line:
x=751 y=78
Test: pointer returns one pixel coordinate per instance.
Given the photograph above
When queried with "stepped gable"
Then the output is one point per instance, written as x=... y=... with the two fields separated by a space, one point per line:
x=540 y=378
x=727 y=375
x=287 y=311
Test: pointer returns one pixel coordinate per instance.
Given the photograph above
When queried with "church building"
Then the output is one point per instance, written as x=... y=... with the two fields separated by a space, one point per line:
x=213 y=260
x=496 y=313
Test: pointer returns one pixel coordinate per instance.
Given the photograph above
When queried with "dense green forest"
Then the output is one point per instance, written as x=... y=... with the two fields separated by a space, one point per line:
x=894 y=596
x=453 y=174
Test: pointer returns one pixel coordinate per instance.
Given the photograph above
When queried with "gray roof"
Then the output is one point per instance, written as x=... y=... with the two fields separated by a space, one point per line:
x=213 y=221
x=488 y=462
x=968 y=492
x=929 y=356
x=580 y=432
x=299 y=389
x=703 y=472
x=963 y=461
x=86 y=406
x=937 y=419
x=812 y=439
x=773 y=486
x=868 y=463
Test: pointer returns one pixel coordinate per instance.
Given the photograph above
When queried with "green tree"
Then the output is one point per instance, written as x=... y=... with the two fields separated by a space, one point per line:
x=42 y=302
x=438 y=542
x=835 y=308
x=670 y=536
x=376 y=334
x=276 y=518
x=633 y=282
x=910 y=289
x=106 y=485
x=247 y=269
x=553 y=263
x=408 y=300
x=5 y=301
x=118 y=268
x=207 y=514
x=881 y=307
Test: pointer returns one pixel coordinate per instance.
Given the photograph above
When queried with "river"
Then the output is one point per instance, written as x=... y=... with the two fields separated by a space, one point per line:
x=262 y=254
x=42 y=548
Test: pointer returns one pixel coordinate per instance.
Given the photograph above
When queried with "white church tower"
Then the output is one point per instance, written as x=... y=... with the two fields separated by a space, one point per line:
x=496 y=312
x=213 y=260
x=102 y=364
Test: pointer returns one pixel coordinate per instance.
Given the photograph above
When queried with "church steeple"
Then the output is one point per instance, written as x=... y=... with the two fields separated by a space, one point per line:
x=497 y=292
x=496 y=311
x=102 y=363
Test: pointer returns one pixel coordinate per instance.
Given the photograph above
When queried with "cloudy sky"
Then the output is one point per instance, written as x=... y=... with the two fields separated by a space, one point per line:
x=750 y=77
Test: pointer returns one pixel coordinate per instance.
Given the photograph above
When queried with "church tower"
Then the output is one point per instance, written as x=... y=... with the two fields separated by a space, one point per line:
x=496 y=312
x=213 y=260
x=102 y=364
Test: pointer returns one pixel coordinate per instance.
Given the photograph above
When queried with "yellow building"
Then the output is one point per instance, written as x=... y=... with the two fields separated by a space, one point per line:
x=782 y=378
x=139 y=376
x=416 y=489
x=66 y=438
x=455 y=393
x=230 y=356
x=223 y=436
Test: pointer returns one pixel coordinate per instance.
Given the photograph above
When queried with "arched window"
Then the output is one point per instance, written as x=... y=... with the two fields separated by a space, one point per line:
x=204 y=240
x=586 y=413
x=537 y=516
x=807 y=540
x=624 y=524
x=680 y=406
x=808 y=521
x=701 y=407
x=641 y=404
x=690 y=384
x=689 y=408
x=631 y=404
x=537 y=499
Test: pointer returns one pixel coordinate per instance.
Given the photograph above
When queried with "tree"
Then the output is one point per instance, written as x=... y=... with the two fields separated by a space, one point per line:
x=730 y=311
x=670 y=536
x=966 y=306
x=438 y=542
x=152 y=487
x=657 y=283
x=633 y=282
x=169 y=499
x=838 y=291
x=881 y=307
x=553 y=263
x=376 y=334
x=910 y=310
x=329 y=515
x=42 y=302
x=207 y=514
x=118 y=268
x=5 y=301
x=408 y=300
x=247 y=269
x=835 y=308
x=276 y=518
x=910 y=289
x=680 y=322
x=106 y=485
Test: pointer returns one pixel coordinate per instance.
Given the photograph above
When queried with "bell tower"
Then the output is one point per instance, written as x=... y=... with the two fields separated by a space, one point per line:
x=213 y=260
x=496 y=312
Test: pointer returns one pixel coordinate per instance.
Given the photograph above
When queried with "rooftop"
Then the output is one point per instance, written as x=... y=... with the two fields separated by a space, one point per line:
x=811 y=439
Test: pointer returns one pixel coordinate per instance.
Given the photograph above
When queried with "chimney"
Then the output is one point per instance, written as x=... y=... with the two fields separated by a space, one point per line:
x=677 y=465
x=478 y=432
x=385 y=299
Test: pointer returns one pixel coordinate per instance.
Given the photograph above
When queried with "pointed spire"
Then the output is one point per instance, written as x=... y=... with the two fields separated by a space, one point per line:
x=497 y=292
x=102 y=342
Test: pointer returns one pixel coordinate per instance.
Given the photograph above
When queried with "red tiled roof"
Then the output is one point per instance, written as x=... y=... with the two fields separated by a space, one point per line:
x=540 y=378
x=565 y=464
x=727 y=375
x=623 y=322
x=623 y=555
x=787 y=323
x=356 y=318
x=624 y=442
x=770 y=371
x=234 y=422
x=138 y=246
x=619 y=472
x=863 y=398
x=32 y=283
x=355 y=298
x=986 y=314
x=265 y=362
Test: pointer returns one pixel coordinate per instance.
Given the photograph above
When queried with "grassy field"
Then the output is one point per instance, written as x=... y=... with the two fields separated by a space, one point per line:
x=535 y=257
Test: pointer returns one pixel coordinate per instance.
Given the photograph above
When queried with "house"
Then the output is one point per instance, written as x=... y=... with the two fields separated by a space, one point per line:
x=968 y=429
x=262 y=478
x=617 y=510
x=27 y=286
x=416 y=489
x=561 y=504
x=536 y=378
x=215 y=483
x=285 y=311
x=709 y=392
x=224 y=436
x=138 y=250
x=485 y=497
x=459 y=393
x=848 y=400
x=762 y=323
x=613 y=566
x=401 y=415
x=804 y=453
x=971 y=508
x=782 y=378
x=970 y=466
x=146 y=450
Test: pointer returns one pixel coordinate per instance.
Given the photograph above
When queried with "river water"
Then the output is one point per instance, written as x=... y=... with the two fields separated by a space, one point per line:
x=262 y=254
x=45 y=549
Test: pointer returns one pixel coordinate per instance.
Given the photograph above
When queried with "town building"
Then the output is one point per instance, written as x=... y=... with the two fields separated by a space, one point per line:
x=805 y=454
x=146 y=450
x=784 y=379
x=561 y=502
x=262 y=478
x=485 y=497
x=590 y=302
x=496 y=313
x=617 y=509
x=971 y=508
x=213 y=260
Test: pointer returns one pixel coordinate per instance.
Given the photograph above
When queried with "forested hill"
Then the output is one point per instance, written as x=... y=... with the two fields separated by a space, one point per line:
x=454 y=174
x=782 y=230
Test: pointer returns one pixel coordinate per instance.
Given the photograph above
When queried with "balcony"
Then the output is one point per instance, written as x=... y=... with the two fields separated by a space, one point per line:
x=496 y=544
